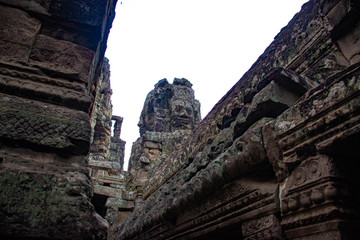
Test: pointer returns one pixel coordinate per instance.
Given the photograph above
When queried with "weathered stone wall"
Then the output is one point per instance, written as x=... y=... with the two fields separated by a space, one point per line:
x=275 y=157
x=106 y=157
x=50 y=57
x=106 y=147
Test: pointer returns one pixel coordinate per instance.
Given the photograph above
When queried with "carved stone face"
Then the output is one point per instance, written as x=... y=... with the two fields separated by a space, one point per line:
x=182 y=115
x=170 y=107
x=146 y=123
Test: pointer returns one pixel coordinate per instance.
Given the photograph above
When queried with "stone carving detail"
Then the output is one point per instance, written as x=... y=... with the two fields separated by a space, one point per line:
x=309 y=171
x=274 y=159
x=276 y=95
x=170 y=107
x=304 y=177
x=262 y=228
x=312 y=184
x=51 y=55
x=170 y=114
x=286 y=123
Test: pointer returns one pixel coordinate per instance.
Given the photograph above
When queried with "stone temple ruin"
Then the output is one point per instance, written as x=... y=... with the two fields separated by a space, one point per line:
x=274 y=159
x=106 y=157
x=169 y=116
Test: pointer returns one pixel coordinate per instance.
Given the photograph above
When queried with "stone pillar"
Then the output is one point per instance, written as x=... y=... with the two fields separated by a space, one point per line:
x=117 y=126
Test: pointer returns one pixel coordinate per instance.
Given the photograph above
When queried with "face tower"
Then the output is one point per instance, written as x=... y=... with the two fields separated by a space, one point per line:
x=169 y=115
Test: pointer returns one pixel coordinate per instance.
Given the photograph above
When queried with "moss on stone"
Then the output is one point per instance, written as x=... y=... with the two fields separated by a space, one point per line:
x=36 y=198
x=40 y=114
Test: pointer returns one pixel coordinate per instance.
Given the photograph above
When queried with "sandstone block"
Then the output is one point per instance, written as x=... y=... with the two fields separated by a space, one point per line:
x=62 y=56
x=53 y=127
x=18 y=31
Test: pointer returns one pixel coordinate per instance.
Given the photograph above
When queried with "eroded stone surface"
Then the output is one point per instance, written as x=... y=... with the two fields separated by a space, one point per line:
x=285 y=133
x=170 y=107
x=47 y=91
x=170 y=114
x=106 y=157
x=276 y=158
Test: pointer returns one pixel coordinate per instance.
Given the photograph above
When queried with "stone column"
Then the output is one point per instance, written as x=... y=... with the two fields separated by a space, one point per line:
x=117 y=126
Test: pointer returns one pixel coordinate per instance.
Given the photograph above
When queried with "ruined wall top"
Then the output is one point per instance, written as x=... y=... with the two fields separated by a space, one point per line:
x=169 y=107
x=277 y=136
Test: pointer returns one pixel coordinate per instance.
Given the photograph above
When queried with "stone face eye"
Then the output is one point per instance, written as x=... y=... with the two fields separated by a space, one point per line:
x=188 y=110
x=178 y=108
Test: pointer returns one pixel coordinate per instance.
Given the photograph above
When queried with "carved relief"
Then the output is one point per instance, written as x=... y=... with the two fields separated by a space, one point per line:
x=309 y=171
x=262 y=228
x=170 y=114
x=293 y=109
x=313 y=194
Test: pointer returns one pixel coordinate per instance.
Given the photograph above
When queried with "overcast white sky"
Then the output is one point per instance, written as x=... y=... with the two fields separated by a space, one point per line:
x=210 y=43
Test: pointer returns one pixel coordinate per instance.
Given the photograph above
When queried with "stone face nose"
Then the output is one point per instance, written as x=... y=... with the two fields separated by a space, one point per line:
x=184 y=114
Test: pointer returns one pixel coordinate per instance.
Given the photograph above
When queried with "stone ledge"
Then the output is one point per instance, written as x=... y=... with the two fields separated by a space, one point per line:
x=105 y=165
